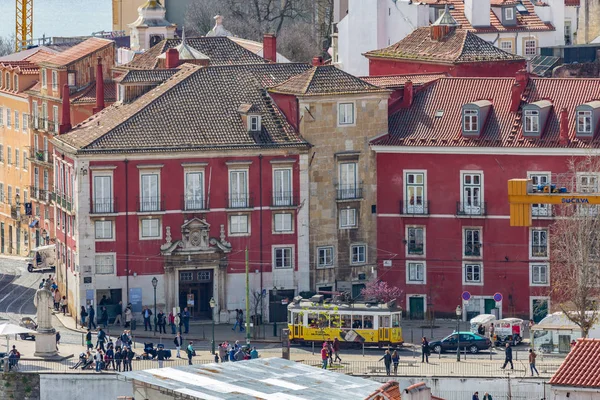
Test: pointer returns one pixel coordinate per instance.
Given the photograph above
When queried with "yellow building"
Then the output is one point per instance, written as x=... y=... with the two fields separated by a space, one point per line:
x=18 y=73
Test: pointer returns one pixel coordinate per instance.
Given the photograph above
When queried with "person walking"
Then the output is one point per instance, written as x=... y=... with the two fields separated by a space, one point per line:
x=336 y=350
x=324 y=356
x=63 y=305
x=532 y=367
x=185 y=319
x=395 y=361
x=237 y=320
x=172 y=322
x=56 y=300
x=103 y=317
x=487 y=396
x=88 y=339
x=160 y=356
x=118 y=358
x=146 y=313
x=476 y=396
x=82 y=315
x=190 y=352
x=508 y=357
x=387 y=361
x=119 y=311
x=91 y=316
x=161 y=322
x=178 y=343
x=425 y=350
x=101 y=339
x=128 y=317
x=57 y=339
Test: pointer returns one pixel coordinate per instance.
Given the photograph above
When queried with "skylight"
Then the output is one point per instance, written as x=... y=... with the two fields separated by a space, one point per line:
x=439 y=113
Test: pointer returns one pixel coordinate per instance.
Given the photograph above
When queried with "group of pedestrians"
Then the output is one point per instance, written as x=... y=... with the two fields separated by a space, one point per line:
x=106 y=354
x=331 y=349
x=60 y=302
x=235 y=352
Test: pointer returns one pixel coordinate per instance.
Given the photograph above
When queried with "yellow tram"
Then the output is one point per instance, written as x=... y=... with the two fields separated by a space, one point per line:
x=359 y=322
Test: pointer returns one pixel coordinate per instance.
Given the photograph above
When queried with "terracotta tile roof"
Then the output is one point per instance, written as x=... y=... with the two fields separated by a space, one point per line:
x=459 y=46
x=396 y=81
x=581 y=368
x=574 y=3
x=147 y=76
x=220 y=50
x=434 y=119
x=504 y=2
x=324 y=80
x=529 y=22
x=78 y=51
x=88 y=95
x=388 y=391
x=195 y=109
x=20 y=67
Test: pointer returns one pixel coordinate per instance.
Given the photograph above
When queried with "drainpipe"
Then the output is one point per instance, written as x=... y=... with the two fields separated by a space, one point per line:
x=260 y=233
x=126 y=232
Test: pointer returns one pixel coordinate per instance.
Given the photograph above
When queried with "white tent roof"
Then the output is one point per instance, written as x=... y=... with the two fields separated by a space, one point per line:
x=12 y=329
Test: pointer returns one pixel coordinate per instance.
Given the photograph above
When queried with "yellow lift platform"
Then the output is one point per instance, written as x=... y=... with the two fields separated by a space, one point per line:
x=521 y=196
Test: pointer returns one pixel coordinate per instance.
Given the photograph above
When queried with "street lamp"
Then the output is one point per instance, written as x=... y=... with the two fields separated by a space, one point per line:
x=458 y=315
x=154 y=283
x=213 y=304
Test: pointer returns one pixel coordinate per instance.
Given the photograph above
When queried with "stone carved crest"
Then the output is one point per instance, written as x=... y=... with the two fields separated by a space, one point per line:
x=195 y=237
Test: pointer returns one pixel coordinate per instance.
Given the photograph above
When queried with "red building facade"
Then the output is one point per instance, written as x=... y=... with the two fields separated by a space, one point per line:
x=442 y=179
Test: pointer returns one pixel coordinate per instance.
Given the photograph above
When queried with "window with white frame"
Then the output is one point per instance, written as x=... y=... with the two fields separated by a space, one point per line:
x=539 y=274
x=238 y=189
x=509 y=13
x=45 y=115
x=415 y=192
x=358 y=254
x=2 y=198
x=254 y=123
x=532 y=121
x=238 y=224
x=35 y=114
x=16 y=83
x=55 y=117
x=472 y=242
x=102 y=194
x=194 y=190
x=105 y=264
x=540 y=180
x=150 y=228
x=282 y=222
x=9 y=155
x=415 y=272
x=507 y=45
x=71 y=79
x=44 y=78
x=473 y=273
x=587 y=183
x=324 y=256
x=348 y=218
x=530 y=46
x=470 y=120
x=149 y=200
x=472 y=193
x=415 y=240
x=17 y=158
x=8 y=118
x=345 y=113
x=282 y=187
x=282 y=257
x=584 y=122
x=25 y=125
x=1 y=114
x=17 y=120
x=54 y=80
x=25 y=160
x=539 y=242
x=348 y=188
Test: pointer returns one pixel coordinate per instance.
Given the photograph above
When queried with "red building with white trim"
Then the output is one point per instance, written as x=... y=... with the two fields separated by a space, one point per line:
x=442 y=178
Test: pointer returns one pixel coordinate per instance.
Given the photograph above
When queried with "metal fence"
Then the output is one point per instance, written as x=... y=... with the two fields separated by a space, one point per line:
x=406 y=368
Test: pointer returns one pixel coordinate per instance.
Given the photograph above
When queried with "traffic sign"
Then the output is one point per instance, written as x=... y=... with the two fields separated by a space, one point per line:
x=466 y=296
x=498 y=297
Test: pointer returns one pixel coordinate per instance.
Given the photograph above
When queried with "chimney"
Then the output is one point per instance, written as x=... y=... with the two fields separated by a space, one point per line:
x=478 y=12
x=408 y=95
x=99 y=88
x=522 y=77
x=65 y=125
x=316 y=61
x=515 y=97
x=172 y=58
x=564 y=127
x=439 y=32
x=270 y=47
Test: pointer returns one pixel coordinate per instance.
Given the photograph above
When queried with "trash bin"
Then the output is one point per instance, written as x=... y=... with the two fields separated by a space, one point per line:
x=133 y=324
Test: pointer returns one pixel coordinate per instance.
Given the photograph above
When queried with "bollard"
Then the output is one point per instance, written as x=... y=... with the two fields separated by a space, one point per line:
x=363 y=346
x=313 y=348
x=82 y=339
x=274 y=328
x=516 y=356
x=440 y=354
x=490 y=354
x=411 y=336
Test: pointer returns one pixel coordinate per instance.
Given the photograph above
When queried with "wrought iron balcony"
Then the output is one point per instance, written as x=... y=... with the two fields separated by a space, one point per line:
x=103 y=206
x=239 y=200
x=471 y=208
x=348 y=192
x=44 y=124
x=39 y=156
x=63 y=201
x=151 y=203
x=413 y=207
x=284 y=199
x=194 y=202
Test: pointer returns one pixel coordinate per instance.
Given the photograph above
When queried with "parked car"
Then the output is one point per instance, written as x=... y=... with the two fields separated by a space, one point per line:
x=27 y=322
x=468 y=340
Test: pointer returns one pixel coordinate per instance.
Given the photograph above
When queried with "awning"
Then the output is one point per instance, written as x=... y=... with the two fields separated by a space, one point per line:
x=33 y=223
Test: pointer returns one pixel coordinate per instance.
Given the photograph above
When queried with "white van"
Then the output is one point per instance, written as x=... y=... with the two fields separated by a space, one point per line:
x=41 y=258
x=484 y=320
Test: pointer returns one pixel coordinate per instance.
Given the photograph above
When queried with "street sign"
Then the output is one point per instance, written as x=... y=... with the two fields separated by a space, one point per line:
x=498 y=297
x=466 y=296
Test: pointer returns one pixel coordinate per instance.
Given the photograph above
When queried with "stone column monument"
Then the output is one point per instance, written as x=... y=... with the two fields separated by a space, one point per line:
x=45 y=338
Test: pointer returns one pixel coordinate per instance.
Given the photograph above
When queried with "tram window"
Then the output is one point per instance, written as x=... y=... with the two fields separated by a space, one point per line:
x=345 y=321
x=312 y=320
x=323 y=321
x=297 y=319
x=357 y=322
x=395 y=320
x=368 y=322
x=384 y=321
x=290 y=316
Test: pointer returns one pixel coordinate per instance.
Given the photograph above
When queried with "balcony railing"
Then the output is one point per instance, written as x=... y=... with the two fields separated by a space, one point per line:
x=539 y=250
x=239 y=200
x=39 y=194
x=284 y=199
x=44 y=124
x=194 y=202
x=348 y=192
x=63 y=201
x=414 y=207
x=103 y=206
x=471 y=208
x=151 y=204
x=37 y=155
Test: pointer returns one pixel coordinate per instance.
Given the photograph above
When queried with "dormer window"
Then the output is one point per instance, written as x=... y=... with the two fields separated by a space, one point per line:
x=509 y=13
x=16 y=83
x=471 y=120
x=254 y=123
x=584 y=122
x=7 y=81
x=71 y=79
x=532 y=121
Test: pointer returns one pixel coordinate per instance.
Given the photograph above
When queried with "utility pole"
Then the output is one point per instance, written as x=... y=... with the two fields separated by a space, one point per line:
x=509 y=391
x=247 y=298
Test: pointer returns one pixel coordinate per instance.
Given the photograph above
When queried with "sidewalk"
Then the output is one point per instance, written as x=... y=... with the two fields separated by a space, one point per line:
x=197 y=332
